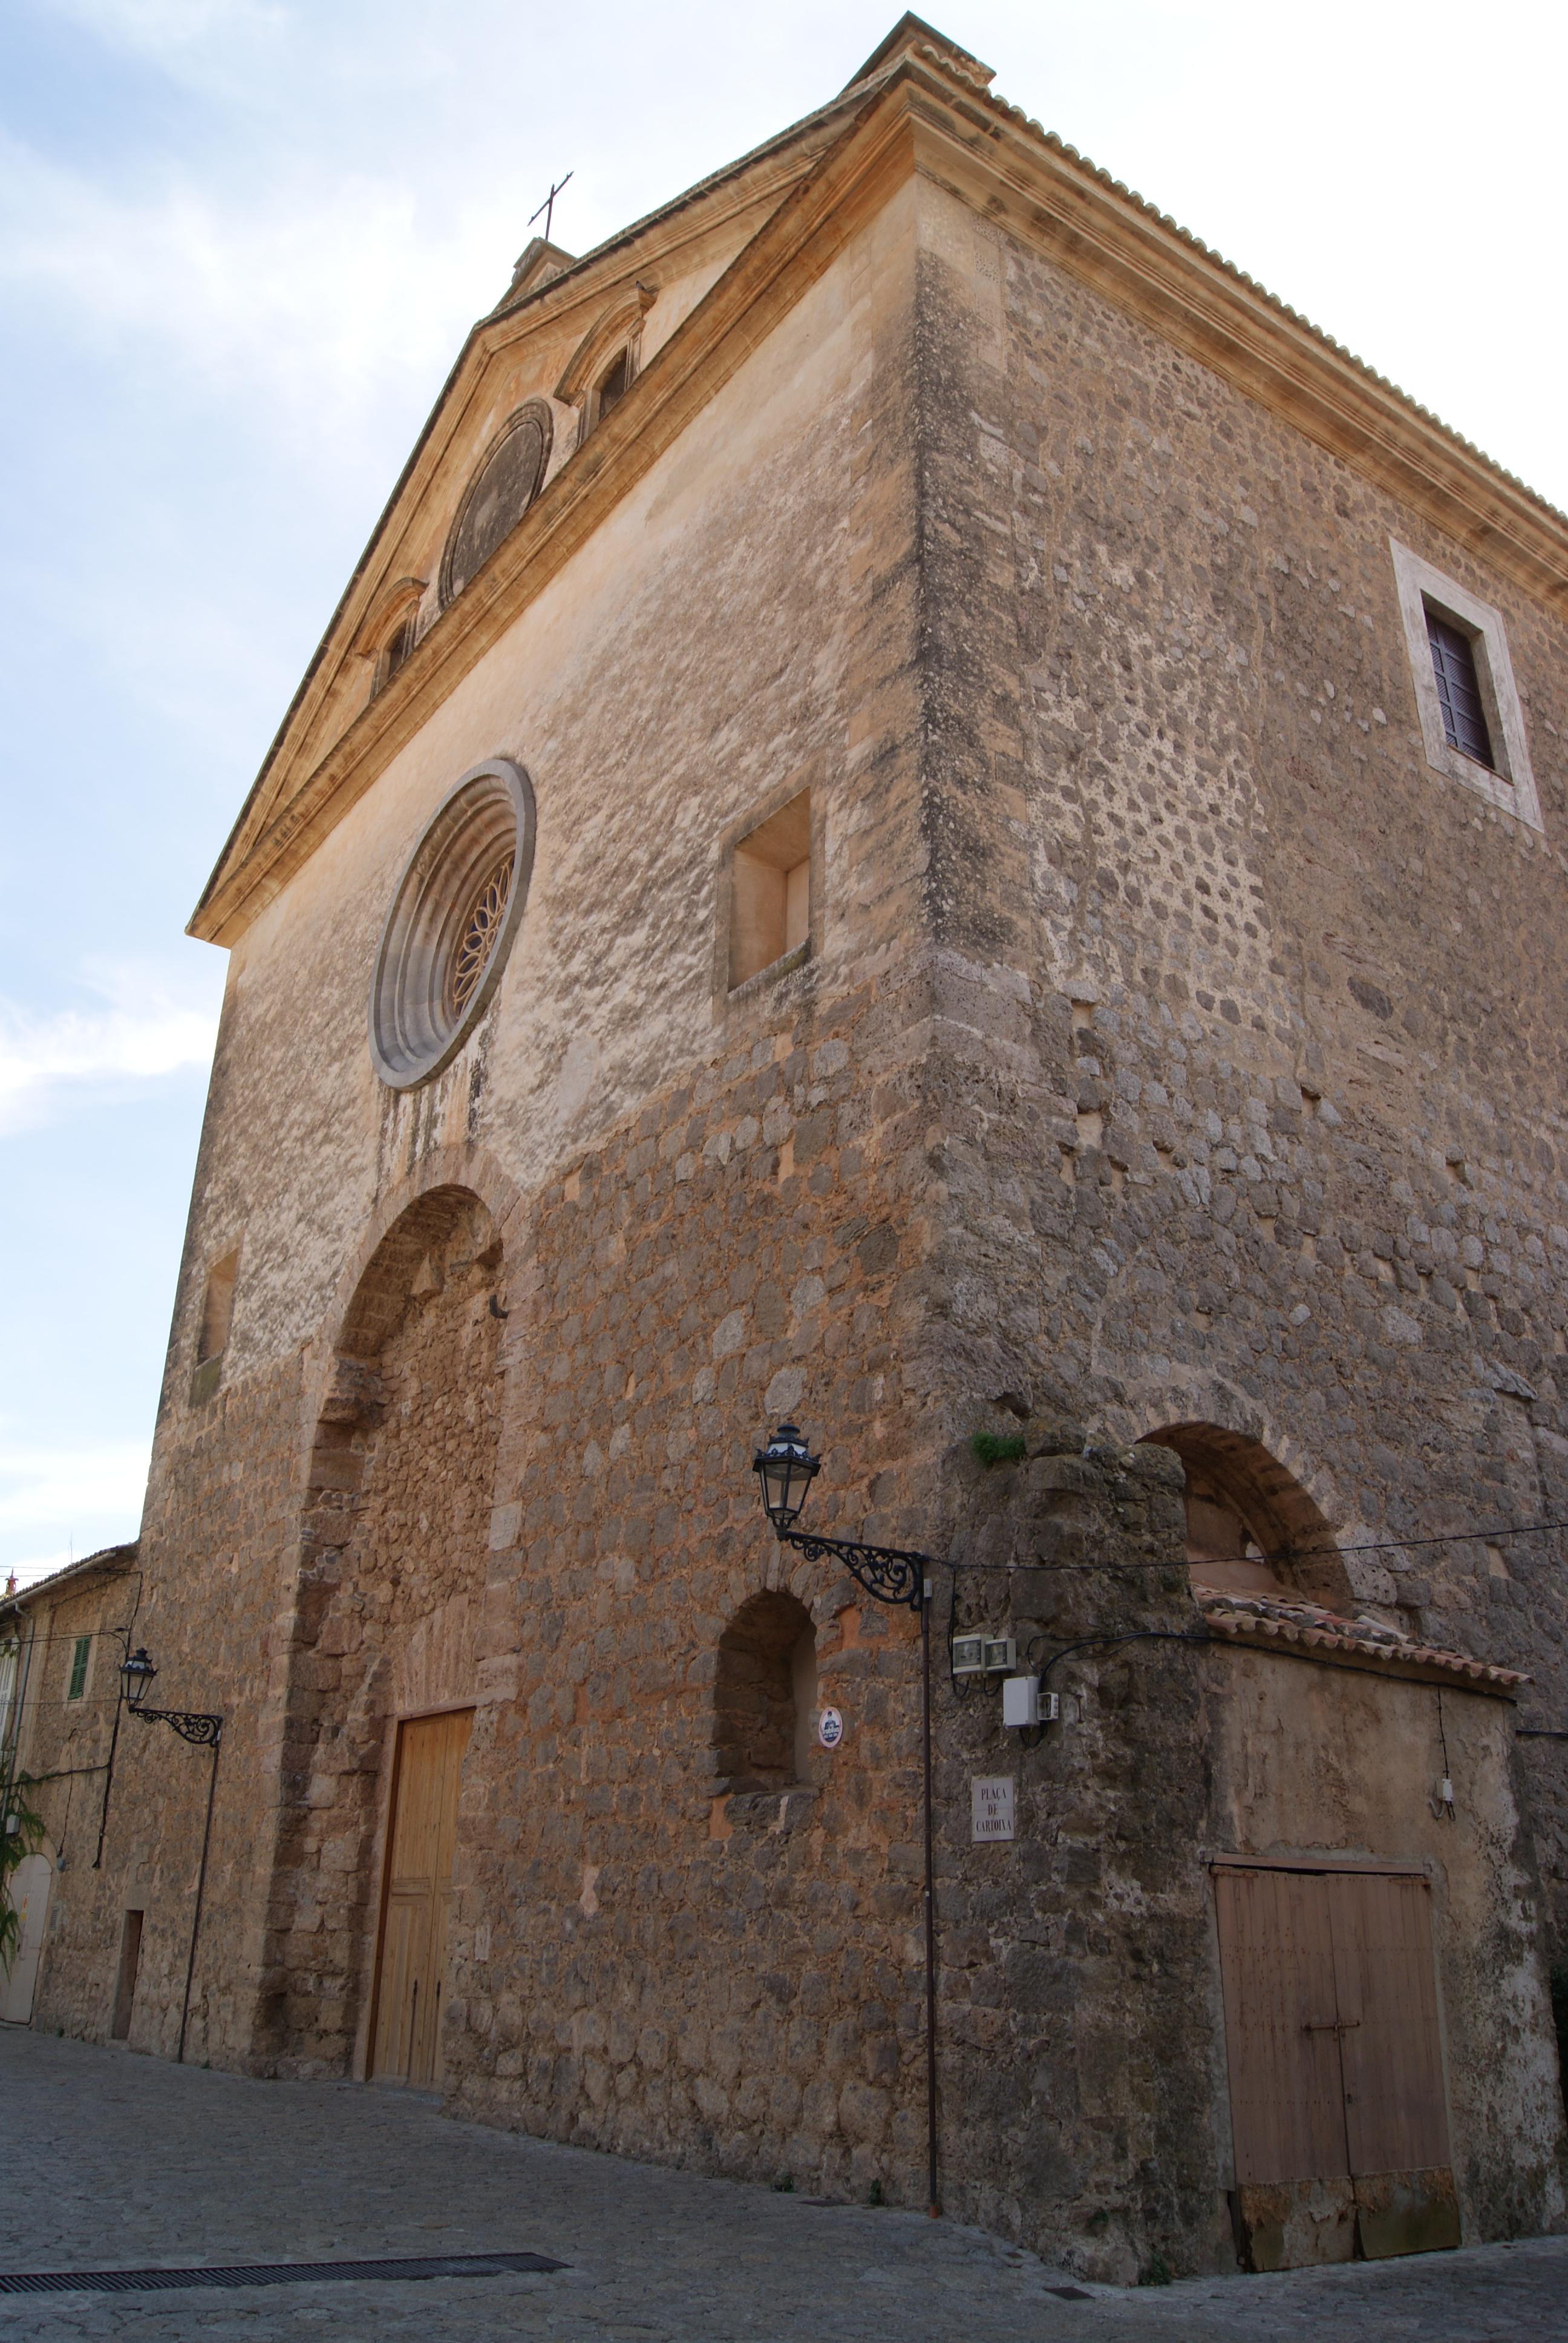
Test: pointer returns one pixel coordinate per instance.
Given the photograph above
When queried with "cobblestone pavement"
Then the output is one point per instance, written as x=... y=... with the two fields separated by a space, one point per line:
x=110 y=2161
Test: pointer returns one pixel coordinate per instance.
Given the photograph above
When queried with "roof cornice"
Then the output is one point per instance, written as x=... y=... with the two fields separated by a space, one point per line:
x=109 y=1562
x=927 y=113
x=1110 y=238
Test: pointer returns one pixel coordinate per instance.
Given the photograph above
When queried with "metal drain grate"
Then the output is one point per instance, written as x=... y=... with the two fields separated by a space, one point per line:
x=149 y=2282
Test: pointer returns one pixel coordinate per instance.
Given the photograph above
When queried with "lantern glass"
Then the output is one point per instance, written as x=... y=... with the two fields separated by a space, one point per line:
x=785 y=1469
x=136 y=1673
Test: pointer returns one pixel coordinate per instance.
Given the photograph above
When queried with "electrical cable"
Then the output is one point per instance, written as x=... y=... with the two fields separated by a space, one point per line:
x=87 y=1634
x=60 y=1774
x=1289 y=1553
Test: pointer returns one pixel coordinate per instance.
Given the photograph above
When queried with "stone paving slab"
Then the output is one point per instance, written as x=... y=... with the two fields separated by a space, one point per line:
x=110 y=2161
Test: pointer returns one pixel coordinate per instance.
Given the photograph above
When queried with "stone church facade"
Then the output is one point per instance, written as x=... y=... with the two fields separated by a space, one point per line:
x=888 y=780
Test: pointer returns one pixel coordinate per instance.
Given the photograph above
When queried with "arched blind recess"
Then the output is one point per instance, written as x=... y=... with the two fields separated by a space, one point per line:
x=501 y=492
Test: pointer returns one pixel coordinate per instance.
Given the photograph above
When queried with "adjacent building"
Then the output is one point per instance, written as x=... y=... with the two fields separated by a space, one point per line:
x=61 y=1644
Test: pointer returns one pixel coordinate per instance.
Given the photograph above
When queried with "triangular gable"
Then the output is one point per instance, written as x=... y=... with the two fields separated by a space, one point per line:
x=793 y=201
x=552 y=298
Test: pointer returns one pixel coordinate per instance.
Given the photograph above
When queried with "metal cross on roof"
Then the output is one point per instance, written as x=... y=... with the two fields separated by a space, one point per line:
x=548 y=206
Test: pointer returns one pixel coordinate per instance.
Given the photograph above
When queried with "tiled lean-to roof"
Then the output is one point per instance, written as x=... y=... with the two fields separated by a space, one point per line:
x=1307 y=1630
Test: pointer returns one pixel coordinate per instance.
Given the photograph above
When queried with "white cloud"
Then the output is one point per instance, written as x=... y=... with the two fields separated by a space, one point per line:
x=144 y=1030
x=321 y=313
x=170 y=32
x=160 y=24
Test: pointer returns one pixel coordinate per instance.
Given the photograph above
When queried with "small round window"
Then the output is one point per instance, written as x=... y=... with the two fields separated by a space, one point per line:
x=457 y=909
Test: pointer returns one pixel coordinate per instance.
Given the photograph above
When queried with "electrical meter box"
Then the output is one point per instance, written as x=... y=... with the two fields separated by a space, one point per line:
x=1023 y=1702
x=983 y=1655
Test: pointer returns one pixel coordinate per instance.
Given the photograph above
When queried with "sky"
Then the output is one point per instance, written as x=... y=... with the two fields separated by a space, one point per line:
x=240 y=243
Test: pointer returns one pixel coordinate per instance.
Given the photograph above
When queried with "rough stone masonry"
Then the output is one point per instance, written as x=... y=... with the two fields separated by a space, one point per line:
x=1167 y=1086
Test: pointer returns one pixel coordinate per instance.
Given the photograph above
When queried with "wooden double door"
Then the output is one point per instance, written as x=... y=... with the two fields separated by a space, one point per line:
x=417 y=1897
x=1337 y=2103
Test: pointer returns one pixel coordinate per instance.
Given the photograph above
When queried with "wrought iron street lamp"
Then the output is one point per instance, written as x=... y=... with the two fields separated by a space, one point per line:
x=204 y=1731
x=785 y=1469
x=136 y=1673
x=197 y=1726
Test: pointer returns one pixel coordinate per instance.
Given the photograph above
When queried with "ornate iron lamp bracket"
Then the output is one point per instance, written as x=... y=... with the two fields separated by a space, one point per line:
x=886 y=1573
x=191 y=1725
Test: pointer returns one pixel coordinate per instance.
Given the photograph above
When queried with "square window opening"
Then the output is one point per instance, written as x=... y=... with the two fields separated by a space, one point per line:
x=81 y=1652
x=770 y=891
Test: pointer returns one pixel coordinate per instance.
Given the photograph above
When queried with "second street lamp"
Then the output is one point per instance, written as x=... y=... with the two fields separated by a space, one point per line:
x=198 y=1725
x=785 y=1469
x=204 y=1731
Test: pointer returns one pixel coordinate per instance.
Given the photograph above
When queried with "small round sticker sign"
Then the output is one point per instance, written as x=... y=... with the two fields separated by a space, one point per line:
x=830 y=1728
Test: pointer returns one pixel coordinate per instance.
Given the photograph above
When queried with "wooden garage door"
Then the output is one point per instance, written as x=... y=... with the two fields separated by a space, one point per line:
x=1337 y=2106
x=412 y=1966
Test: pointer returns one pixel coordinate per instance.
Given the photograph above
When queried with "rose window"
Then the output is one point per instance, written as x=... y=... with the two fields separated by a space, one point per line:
x=481 y=931
x=453 y=920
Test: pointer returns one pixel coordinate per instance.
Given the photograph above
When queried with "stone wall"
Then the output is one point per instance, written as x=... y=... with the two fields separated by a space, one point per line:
x=645 y=1960
x=1252 y=1053
x=1082 y=2077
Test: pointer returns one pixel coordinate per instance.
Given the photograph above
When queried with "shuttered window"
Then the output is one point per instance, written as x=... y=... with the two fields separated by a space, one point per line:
x=1458 y=690
x=79 y=1657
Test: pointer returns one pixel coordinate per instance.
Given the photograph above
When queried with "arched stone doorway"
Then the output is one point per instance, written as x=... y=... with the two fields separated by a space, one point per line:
x=392 y=1571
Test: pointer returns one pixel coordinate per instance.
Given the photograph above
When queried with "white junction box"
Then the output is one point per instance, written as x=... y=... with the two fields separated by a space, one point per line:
x=1023 y=1702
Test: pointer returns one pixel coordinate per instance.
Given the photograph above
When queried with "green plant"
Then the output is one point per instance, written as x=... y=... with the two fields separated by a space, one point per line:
x=875 y=2196
x=1156 y=2272
x=1000 y=1447
x=20 y=1831
x=784 y=2185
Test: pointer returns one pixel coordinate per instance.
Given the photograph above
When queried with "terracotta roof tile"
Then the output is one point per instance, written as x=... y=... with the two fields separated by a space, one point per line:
x=1308 y=1628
